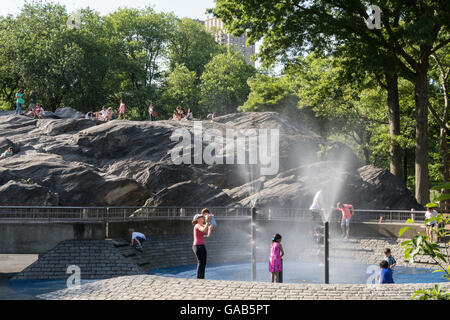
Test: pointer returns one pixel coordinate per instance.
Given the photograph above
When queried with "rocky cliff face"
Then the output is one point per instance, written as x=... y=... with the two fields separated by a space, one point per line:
x=69 y=161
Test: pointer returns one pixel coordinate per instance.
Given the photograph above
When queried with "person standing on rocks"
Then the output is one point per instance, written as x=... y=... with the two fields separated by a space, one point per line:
x=200 y=230
x=152 y=112
x=122 y=110
x=20 y=101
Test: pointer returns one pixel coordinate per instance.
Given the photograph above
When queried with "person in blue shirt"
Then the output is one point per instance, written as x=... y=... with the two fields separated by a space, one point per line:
x=8 y=153
x=385 y=273
x=390 y=259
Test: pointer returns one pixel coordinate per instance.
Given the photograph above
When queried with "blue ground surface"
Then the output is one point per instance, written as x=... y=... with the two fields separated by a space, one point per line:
x=303 y=272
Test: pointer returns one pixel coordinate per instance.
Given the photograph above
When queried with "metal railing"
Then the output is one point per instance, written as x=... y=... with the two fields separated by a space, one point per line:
x=361 y=215
x=93 y=214
x=98 y=214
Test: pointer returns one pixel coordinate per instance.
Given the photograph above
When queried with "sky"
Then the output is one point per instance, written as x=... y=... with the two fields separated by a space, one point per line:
x=182 y=8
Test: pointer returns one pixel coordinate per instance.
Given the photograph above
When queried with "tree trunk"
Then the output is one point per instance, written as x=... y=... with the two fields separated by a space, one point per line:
x=395 y=150
x=405 y=166
x=443 y=144
x=445 y=167
x=421 y=153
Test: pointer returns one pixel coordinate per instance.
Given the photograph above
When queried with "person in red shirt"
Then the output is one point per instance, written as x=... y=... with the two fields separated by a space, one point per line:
x=346 y=216
x=200 y=230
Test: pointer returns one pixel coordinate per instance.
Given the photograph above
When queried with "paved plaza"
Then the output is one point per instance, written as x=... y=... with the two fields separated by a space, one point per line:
x=147 y=287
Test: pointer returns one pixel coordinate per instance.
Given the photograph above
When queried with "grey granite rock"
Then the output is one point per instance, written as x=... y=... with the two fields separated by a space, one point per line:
x=83 y=162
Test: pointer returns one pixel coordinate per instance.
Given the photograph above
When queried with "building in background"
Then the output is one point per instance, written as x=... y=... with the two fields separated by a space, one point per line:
x=237 y=43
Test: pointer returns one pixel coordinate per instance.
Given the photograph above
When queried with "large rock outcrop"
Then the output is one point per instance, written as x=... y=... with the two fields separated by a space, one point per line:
x=77 y=162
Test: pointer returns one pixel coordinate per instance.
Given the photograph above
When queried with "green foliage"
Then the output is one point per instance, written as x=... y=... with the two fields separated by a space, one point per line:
x=224 y=84
x=192 y=46
x=435 y=293
x=131 y=54
x=269 y=93
x=353 y=109
x=419 y=245
x=142 y=38
x=182 y=88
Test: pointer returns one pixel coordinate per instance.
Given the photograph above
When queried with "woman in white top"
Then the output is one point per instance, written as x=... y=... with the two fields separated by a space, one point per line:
x=431 y=213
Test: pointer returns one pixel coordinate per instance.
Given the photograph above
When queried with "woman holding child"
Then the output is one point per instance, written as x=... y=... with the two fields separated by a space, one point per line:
x=200 y=230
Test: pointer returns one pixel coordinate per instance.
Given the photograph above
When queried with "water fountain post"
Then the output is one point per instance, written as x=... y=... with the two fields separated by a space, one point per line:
x=326 y=253
x=253 y=234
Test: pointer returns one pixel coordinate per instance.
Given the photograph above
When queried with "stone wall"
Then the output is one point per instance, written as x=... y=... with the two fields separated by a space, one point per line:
x=39 y=237
x=97 y=259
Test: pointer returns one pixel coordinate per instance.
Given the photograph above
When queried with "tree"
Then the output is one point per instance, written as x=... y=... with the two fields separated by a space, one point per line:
x=440 y=111
x=224 y=84
x=412 y=32
x=354 y=110
x=192 y=46
x=182 y=88
x=9 y=58
x=66 y=67
x=269 y=93
x=142 y=38
x=48 y=60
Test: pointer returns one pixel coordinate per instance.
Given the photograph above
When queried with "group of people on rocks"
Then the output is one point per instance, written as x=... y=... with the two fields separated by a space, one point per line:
x=34 y=110
x=180 y=114
x=106 y=114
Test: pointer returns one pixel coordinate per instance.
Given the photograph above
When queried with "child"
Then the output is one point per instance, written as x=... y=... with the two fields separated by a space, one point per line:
x=389 y=259
x=319 y=240
x=385 y=273
x=8 y=153
x=137 y=237
x=209 y=218
x=38 y=111
x=346 y=216
x=431 y=213
x=122 y=110
x=275 y=259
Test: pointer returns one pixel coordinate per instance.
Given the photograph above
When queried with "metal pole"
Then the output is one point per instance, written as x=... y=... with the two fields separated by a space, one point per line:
x=107 y=224
x=326 y=253
x=253 y=234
